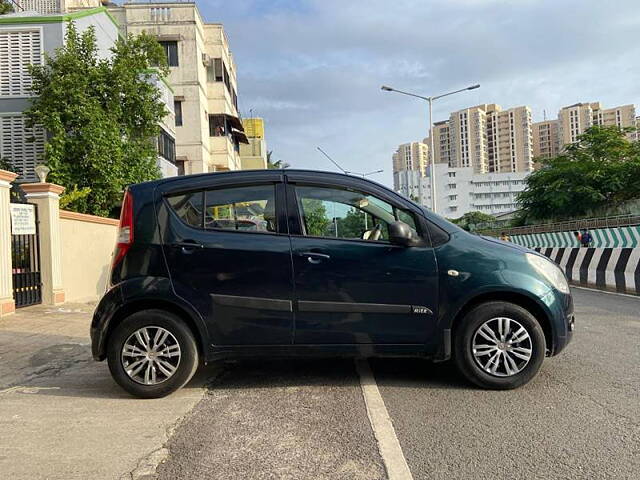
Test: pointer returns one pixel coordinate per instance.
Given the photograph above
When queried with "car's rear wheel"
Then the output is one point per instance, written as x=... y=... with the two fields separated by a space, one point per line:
x=499 y=345
x=152 y=353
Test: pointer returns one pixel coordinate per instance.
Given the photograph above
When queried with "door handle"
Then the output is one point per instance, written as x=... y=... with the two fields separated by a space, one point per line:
x=315 y=257
x=188 y=245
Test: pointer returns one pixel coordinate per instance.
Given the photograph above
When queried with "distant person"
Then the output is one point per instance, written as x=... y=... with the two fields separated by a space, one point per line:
x=578 y=237
x=586 y=238
x=505 y=237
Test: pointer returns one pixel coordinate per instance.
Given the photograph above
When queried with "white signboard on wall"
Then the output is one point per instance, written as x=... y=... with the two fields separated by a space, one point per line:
x=23 y=219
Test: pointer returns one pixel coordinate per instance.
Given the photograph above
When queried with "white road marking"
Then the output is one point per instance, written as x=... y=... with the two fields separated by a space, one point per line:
x=388 y=444
x=606 y=291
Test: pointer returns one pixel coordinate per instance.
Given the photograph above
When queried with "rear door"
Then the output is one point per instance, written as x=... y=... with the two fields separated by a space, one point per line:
x=228 y=253
x=352 y=285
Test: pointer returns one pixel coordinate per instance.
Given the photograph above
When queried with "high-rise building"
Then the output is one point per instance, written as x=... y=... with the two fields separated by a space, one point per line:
x=509 y=140
x=546 y=142
x=486 y=138
x=412 y=158
x=468 y=138
x=574 y=119
x=203 y=75
x=442 y=142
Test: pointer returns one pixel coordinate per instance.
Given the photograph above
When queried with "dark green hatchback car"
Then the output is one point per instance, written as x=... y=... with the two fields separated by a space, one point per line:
x=304 y=263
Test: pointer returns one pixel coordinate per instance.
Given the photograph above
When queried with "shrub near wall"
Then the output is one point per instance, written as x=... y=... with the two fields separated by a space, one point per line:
x=87 y=245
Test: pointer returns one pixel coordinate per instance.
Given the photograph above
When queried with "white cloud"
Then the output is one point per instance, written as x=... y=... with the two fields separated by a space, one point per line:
x=313 y=69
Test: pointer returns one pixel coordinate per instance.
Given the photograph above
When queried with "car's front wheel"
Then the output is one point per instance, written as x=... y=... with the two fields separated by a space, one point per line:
x=152 y=353
x=499 y=345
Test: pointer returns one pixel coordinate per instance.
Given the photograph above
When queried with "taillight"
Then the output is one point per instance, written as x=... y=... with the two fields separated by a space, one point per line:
x=125 y=230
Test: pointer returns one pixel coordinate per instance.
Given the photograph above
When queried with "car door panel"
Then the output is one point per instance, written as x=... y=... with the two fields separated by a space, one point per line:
x=239 y=281
x=351 y=291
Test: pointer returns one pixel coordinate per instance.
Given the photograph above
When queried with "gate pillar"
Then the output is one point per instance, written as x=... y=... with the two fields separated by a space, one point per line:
x=7 y=304
x=47 y=197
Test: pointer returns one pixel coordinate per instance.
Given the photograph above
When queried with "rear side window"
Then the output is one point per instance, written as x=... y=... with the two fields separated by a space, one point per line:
x=251 y=209
x=188 y=207
x=247 y=209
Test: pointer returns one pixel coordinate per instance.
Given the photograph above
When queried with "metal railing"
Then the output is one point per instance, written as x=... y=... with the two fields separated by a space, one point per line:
x=570 y=225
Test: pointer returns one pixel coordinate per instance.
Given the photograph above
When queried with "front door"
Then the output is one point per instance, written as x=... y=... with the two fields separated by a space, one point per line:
x=229 y=256
x=352 y=285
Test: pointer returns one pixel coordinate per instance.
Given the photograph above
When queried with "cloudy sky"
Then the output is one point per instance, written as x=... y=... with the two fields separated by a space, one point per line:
x=313 y=68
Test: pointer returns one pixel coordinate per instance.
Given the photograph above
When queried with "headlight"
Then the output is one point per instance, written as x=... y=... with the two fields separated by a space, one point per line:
x=550 y=271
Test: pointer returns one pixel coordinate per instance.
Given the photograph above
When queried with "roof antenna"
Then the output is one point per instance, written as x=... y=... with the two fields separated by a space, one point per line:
x=544 y=115
x=331 y=159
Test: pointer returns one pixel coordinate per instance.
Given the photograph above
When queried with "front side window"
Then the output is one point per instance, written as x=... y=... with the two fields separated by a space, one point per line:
x=250 y=209
x=348 y=214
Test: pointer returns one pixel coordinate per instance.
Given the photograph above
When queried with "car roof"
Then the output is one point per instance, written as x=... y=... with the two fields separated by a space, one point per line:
x=268 y=173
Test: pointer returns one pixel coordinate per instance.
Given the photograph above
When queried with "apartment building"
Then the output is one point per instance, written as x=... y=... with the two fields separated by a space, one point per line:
x=46 y=7
x=166 y=141
x=253 y=155
x=468 y=138
x=25 y=36
x=203 y=75
x=409 y=166
x=461 y=190
x=574 y=119
x=509 y=139
x=442 y=142
x=486 y=138
x=546 y=140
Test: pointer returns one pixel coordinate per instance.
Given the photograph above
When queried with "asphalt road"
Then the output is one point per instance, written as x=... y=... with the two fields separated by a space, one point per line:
x=580 y=418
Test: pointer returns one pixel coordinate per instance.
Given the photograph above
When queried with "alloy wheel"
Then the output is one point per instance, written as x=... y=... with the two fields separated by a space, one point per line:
x=502 y=347
x=151 y=355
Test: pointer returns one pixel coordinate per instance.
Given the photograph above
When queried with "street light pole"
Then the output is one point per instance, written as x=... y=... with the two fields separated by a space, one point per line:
x=434 y=201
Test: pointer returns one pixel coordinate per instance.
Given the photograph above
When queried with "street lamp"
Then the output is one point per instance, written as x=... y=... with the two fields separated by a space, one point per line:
x=433 y=155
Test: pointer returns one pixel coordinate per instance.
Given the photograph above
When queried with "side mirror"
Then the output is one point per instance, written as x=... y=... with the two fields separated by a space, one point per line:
x=400 y=234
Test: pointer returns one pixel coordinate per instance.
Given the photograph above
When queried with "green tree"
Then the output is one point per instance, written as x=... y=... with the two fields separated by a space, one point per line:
x=601 y=169
x=470 y=220
x=102 y=117
x=315 y=216
x=275 y=164
x=5 y=7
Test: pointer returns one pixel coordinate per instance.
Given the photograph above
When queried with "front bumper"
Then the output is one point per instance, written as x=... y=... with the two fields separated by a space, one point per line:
x=563 y=321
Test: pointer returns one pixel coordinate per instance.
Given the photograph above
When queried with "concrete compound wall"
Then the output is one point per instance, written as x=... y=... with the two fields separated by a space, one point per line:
x=615 y=269
x=617 y=237
x=87 y=244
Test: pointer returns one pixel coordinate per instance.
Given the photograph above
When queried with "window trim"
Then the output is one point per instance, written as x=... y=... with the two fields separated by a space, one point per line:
x=278 y=187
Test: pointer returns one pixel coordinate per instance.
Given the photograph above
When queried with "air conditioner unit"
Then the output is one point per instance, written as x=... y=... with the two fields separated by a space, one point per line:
x=206 y=59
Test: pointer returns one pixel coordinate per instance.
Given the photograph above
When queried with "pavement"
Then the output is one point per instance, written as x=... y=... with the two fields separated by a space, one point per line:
x=62 y=416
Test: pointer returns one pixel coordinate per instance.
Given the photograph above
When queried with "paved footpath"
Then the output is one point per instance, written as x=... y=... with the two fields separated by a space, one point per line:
x=61 y=414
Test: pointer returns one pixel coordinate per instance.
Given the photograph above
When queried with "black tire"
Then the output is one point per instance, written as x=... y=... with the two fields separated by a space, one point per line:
x=188 y=362
x=470 y=367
